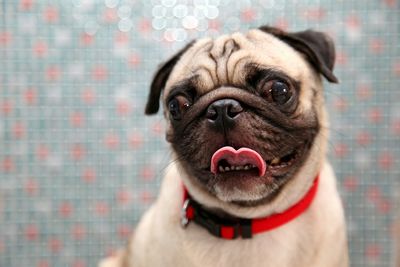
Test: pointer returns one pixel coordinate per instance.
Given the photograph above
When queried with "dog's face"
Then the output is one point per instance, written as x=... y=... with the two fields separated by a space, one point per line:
x=244 y=111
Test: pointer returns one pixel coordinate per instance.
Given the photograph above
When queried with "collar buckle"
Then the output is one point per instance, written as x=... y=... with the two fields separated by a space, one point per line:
x=245 y=228
x=210 y=223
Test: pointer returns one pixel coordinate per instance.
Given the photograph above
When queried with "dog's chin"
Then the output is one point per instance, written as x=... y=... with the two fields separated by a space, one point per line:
x=244 y=190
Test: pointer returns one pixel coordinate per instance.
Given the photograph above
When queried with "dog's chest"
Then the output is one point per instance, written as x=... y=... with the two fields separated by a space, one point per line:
x=296 y=244
x=274 y=247
x=194 y=246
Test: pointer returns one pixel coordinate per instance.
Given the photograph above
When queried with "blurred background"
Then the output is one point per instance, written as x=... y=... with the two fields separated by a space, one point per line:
x=80 y=163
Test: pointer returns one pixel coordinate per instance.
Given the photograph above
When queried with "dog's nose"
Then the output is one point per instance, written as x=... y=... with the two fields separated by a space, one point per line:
x=222 y=113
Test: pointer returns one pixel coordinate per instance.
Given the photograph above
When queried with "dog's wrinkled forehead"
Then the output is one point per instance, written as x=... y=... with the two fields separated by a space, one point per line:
x=226 y=59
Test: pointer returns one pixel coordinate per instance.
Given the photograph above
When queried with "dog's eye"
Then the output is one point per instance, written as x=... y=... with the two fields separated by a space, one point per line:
x=177 y=106
x=278 y=91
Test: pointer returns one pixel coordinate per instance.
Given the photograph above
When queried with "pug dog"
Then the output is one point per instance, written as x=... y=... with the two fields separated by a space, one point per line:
x=249 y=183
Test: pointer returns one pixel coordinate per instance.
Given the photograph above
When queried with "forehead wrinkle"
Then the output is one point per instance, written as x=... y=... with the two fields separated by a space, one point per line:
x=203 y=83
x=223 y=47
x=206 y=47
x=206 y=63
x=218 y=46
x=236 y=74
x=221 y=58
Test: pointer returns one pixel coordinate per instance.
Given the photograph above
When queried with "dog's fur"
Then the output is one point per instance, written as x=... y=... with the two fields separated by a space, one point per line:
x=225 y=68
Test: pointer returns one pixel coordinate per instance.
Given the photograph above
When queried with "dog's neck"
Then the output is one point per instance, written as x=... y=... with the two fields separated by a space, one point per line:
x=223 y=225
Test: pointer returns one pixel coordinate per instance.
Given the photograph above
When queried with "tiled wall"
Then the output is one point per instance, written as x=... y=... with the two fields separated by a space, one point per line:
x=79 y=162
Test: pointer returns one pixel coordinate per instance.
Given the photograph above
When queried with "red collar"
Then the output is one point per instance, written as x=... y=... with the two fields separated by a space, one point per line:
x=230 y=228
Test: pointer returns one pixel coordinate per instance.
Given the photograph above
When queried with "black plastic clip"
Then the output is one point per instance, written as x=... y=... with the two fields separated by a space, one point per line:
x=245 y=227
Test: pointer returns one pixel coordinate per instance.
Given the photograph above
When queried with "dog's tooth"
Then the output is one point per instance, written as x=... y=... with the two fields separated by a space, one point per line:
x=246 y=167
x=275 y=161
x=227 y=169
x=238 y=168
x=221 y=169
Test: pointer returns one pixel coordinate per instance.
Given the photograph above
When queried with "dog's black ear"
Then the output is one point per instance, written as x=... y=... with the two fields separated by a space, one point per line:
x=316 y=46
x=160 y=79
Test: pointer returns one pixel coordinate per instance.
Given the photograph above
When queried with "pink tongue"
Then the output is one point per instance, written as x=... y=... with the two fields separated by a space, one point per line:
x=239 y=157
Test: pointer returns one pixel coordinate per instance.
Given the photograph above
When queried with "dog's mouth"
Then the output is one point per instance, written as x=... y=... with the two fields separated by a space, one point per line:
x=246 y=161
x=228 y=159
